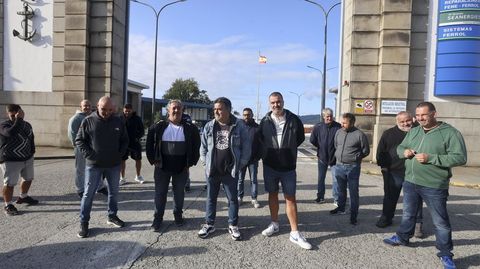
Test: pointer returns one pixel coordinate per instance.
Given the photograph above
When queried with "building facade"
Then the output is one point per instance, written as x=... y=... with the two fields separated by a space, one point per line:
x=397 y=53
x=74 y=50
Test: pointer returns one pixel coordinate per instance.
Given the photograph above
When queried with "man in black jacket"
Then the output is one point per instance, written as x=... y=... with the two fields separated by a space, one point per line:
x=17 y=147
x=393 y=170
x=172 y=146
x=322 y=137
x=280 y=134
x=135 y=132
x=103 y=140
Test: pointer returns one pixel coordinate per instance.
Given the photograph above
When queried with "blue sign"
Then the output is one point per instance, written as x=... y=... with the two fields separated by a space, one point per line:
x=457 y=70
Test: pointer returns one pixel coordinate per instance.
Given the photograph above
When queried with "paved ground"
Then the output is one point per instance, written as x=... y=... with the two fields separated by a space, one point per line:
x=44 y=236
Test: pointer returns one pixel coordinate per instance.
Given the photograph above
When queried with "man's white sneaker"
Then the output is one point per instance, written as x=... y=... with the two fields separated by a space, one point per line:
x=206 y=230
x=123 y=181
x=272 y=229
x=234 y=232
x=139 y=179
x=298 y=239
x=255 y=203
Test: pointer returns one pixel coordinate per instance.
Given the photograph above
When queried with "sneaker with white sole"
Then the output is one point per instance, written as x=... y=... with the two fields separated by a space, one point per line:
x=123 y=181
x=234 y=232
x=298 y=239
x=139 y=179
x=206 y=230
x=272 y=229
x=255 y=203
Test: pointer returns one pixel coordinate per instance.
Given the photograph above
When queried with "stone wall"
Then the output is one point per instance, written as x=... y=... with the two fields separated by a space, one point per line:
x=83 y=53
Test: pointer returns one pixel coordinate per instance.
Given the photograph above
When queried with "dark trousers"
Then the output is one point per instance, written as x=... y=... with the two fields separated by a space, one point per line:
x=392 y=186
x=162 y=180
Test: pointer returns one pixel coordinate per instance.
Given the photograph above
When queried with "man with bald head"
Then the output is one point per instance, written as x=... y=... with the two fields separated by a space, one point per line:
x=393 y=170
x=103 y=140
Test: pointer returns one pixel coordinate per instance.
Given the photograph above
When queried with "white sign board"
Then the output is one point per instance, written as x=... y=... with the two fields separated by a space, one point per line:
x=393 y=106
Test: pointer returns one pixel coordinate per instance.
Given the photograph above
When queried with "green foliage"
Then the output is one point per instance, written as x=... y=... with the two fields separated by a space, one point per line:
x=187 y=91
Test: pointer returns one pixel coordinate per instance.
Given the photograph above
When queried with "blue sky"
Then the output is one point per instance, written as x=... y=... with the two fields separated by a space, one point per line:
x=216 y=42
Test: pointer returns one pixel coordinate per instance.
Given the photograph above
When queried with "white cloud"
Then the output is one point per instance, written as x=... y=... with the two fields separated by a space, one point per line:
x=228 y=67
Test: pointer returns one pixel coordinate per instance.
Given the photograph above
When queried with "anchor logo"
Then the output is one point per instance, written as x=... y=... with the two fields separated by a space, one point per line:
x=27 y=14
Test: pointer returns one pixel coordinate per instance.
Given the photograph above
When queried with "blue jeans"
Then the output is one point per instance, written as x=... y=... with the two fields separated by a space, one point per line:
x=162 y=180
x=93 y=177
x=436 y=200
x=392 y=186
x=252 y=170
x=348 y=175
x=322 y=173
x=80 y=163
x=230 y=187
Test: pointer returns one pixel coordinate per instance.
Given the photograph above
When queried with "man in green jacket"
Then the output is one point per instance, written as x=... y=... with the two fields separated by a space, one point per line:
x=430 y=150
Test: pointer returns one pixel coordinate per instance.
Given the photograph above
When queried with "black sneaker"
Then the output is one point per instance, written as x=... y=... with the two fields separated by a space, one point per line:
x=83 y=233
x=383 y=222
x=115 y=221
x=10 y=210
x=187 y=189
x=28 y=200
x=353 y=221
x=103 y=191
x=179 y=220
x=157 y=223
x=319 y=200
x=337 y=211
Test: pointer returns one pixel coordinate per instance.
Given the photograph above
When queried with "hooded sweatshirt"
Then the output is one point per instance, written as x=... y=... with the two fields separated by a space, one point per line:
x=445 y=148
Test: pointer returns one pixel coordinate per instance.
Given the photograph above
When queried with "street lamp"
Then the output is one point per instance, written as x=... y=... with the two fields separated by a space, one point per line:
x=326 y=13
x=323 y=92
x=298 y=95
x=157 y=15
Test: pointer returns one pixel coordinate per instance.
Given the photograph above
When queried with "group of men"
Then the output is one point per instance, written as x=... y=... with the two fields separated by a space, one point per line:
x=416 y=154
x=418 y=158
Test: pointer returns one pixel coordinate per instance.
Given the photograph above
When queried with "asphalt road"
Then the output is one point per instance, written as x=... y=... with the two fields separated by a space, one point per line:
x=44 y=236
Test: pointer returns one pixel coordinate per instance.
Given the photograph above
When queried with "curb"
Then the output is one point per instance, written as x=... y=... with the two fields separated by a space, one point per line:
x=452 y=183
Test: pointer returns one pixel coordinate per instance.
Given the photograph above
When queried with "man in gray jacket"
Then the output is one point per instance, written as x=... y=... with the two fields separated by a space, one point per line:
x=351 y=146
x=225 y=149
x=103 y=140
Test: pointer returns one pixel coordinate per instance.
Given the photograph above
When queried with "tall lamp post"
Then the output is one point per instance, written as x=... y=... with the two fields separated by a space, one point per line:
x=157 y=15
x=323 y=81
x=326 y=13
x=298 y=95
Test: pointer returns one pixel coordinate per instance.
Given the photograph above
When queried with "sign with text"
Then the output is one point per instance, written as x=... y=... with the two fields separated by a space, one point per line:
x=458 y=48
x=392 y=107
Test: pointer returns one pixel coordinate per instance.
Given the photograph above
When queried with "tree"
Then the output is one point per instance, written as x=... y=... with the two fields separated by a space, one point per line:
x=187 y=91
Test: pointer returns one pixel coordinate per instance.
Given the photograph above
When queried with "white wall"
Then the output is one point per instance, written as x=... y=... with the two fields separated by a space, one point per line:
x=28 y=65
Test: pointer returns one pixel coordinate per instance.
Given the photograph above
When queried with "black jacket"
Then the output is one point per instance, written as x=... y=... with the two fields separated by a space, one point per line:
x=16 y=141
x=322 y=138
x=154 y=142
x=387 y=150
x=281 y=157
x=102 y=142
x=253 y=128
x=135 y=130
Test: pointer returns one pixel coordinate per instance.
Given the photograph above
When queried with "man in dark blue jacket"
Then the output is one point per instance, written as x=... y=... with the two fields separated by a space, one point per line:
x=322 y=137
x=103 y=140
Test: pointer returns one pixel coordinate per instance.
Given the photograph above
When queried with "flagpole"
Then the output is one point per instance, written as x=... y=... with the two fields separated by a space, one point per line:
x=258 y=89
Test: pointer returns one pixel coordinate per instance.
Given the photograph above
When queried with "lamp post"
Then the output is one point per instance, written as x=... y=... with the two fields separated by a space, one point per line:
x=157 y=15
x=326 y=13
x=298 y=95
x=323 y=85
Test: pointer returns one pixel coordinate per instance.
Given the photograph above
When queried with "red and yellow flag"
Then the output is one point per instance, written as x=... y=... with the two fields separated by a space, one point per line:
x=262 y=59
